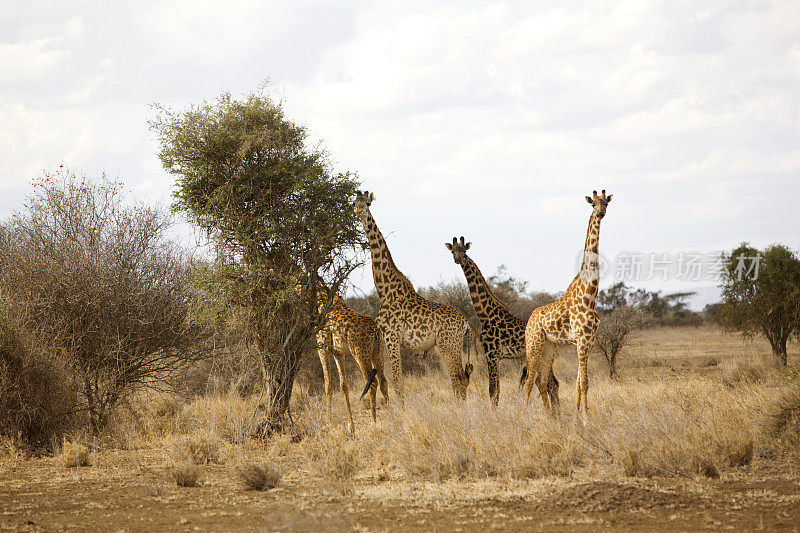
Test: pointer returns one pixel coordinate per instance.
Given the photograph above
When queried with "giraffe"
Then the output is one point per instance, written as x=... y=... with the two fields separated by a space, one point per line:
x=405 y=318
x=347 y=332
x=570 y=319
x=502 y=334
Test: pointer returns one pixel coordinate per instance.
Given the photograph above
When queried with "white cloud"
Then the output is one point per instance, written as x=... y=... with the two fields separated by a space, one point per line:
x=30 y=59
x=492 y=119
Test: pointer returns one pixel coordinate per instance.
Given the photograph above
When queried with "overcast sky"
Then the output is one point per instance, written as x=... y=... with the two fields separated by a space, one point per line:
x=489 y=120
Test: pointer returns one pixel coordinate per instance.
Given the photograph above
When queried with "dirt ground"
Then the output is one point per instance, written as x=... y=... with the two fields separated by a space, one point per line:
x=128 y=491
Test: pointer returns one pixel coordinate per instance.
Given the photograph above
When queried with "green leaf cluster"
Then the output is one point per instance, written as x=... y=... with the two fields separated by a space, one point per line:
x=766 y=300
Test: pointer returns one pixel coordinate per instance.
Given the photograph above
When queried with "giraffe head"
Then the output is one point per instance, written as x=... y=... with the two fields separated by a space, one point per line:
x=459 y=250
x=362 y=202
x=599 y=202
x=325 y=297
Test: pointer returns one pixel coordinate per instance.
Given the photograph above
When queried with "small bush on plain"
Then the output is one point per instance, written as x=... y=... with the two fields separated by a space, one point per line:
x=73 y=454
x=258 y=475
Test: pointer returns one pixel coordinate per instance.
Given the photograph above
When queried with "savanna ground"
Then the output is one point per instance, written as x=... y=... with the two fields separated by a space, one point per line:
x=685 y=439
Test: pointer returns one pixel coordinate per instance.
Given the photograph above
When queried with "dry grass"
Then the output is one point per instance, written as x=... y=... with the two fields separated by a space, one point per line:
x=689 y=402
x=228 y=416
x=199 y=448
x=784 y=422
x=258 y=475
x=641 y=429
x=689 y=406
x=186 y=474
x=73 y=454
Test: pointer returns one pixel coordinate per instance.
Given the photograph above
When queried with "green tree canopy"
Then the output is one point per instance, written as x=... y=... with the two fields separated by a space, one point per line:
x=761 y=294
x=281 y=220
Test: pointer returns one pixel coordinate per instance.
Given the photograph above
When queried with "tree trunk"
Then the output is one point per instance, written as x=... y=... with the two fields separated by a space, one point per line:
x=778 y=345
x=612 y=364
x=280 y=382
x=92 y=407
x=781 y=353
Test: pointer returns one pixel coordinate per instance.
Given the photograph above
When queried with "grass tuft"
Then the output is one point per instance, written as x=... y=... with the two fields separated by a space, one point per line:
x=73 y=454
x=258 y=476
x=186 y=474
x=784 y=422
x=198 y=448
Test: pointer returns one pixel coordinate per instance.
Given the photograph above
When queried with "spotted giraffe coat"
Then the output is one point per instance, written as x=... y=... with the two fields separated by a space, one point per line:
x=407 y=319
x=348 y=332
x=502 y=333
x=572 y=319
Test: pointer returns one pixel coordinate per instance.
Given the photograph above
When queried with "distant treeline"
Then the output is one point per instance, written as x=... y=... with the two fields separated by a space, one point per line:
x=669 y=309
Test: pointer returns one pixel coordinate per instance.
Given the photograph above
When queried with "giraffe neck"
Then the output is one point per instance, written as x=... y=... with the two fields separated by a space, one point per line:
x=483 y=300
x=588 y=277
x=339 y=309
x=385 y=273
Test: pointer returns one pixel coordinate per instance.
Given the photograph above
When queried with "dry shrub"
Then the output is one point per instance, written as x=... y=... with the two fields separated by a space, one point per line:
x=13 y=448
x=73 y=454
x=784 y=422
x=37 y=404
x=186 y=474
x=745 y=370
x=148 y=415
x=228 y=416
x=199 y=448
x=161 y=416
x=102 y=285
x=666 y=429
x=234 y=367
x=258 y=475
x=445 y=440
x=334 y=457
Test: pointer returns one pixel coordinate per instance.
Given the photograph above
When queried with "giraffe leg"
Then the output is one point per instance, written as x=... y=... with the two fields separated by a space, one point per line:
x=378 y=362
x=492 y=353
x=393 y=351
x=325 y=360
x=534 y=345
x=494 y=377
x=384 y=387
x=345 y=391
x=373 y=399
x=451 y=356
x=545 y=372
x=552 y=391
x=582 y=381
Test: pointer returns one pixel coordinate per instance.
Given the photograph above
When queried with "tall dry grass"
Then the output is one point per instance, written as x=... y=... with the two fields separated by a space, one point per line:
x=671 y=413
x=683 y=428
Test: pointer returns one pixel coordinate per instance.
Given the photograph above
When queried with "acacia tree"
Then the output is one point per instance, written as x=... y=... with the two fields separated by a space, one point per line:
x=615 y=330
x=99 y=283
x=761 y=294
x=281 y=222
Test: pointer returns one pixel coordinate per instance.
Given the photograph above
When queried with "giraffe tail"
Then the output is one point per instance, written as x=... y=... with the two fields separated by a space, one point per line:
x=370 y=381
x=469 y=344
